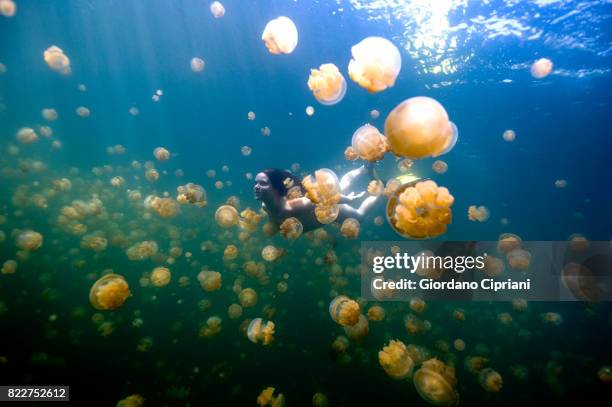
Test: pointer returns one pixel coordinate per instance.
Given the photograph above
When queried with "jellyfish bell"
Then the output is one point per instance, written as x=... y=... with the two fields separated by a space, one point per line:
x=280 y=36
x=344 y=311
x=57 y=60
x=453 y=140
x=418 y=128
x=375 y=64
x=368 y=143
x=197 y=64
x=109 y=292
x=436 y=383
x=217 y=9
x=395 y=360
x=259 y=332
x=327 y=84
x=490 y=380
x=541 y=68
x=226 y=216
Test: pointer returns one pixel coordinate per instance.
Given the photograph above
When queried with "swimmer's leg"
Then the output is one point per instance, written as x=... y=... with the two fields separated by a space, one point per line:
x=347 y=179
x=347 y=211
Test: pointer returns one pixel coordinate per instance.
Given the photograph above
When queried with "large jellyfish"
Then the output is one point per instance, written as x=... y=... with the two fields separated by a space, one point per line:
x=395 y=360
x=436 y=383
x=369 y=144
x=420 y=211
x=280 y=36
x=327 y=85
x=418 y=128
x=375 y=64
x=109 y=292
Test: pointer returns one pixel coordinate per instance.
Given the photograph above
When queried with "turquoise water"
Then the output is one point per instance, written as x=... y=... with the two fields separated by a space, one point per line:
x=472 y=58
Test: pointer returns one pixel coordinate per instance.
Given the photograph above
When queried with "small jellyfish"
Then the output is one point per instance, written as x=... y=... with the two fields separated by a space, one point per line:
x=421 y=211
x=247 y=297
x=26 y=135
x=135 y=400
x=395 y=360
x=490 y=380
x=259 y=332
x=508 y=242
x=29 y=240
x=374 y=114
x=480 y=213
x=160 y=277
x=211 y=328
x=418 y=128
x=271 y=253
x=197 y=64
x=230 y=252
x=9 y=267
x=350 y=154
x=234 y=311
x=518 y=259
x=375 y=64
x=267 y=398
x=82 y=111
x=217 y=9
x=280 y=36
x=210 y=280
x=49 y=114
x=369 y=144
x=552 y=318
x=439 y=166
x=245 y=150
x=319 y=400
x=344 y=311
x=251 y=116
x=605 y=374
x=436 y=383
x=265 y=131
x=161 y=154
x=327 y=84
x=541 y=68
x=509 y=135
x=350 y=228
x=493 y=266
x=226 y=216
x=109 y=292
x=359 y=330
x=309 y=110
x=459 y=345
x=376 y=313
x=560 y=183
x=57 y=60
x=8 y=8
x=134 y=111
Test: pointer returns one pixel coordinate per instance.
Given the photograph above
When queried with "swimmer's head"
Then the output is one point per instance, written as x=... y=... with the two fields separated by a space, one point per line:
x=272 y=184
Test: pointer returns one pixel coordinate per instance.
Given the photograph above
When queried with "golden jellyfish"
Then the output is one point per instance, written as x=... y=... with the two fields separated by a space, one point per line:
x=508 y=242
x=417 y=304
x=135 y=400
x=210 y=280
x=605 y=374
x=26 y=135
x=319 y=400
x=260 y=332
x=395 y=360
x=234 y=311
x=226 y=216
x=344 y=311
x=82 y=111
x=267 y=398
x=29 y=240
x=509 y=135
x=376 y=313
x=504 y=318
x=436 y=383
x=327 y=85
x=191 y=193
x=420 y=211
x=134 y=111
x=245 y=151
x=9 y=267
x=459 y=345
x=49 y=114
x=518 y=259
x=280 y=36
x=197 y=64
x=94 y=241
x=251 y=116
x=480 y=213
x=109 y=292
x=291 y=229
x=324 y=190
x=578 y=243
x=439 y=167
x=8 y=8
x=359 y=330
x=211 y=328
x=270 y=253
x=541 y=68
x=418 y=128
x=369 y=144
x=161 y=154
x=160 y=277
x=374 y=114
x=493 y=266
x=350 y=154
x=560 y=183
x=265 y=131
x=230 y=252
x=375 y=64
x=247 y=297
x=217 y=9
x=490 y=380
x=552 y=318
x=519 y=304
x=309 y=110
x=475 y=364
x=57 y=60
x=350 y=228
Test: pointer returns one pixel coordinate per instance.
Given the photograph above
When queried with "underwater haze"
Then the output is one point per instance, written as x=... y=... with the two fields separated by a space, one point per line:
x=139 y=242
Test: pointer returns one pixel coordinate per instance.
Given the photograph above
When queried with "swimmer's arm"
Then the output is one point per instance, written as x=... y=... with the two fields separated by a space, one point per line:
x=298 y=203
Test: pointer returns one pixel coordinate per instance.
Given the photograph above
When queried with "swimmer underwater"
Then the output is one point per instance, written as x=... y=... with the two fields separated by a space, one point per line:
x=270 y=188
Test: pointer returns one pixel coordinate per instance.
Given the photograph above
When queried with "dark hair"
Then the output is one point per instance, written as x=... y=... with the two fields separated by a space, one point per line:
x=277 y=180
